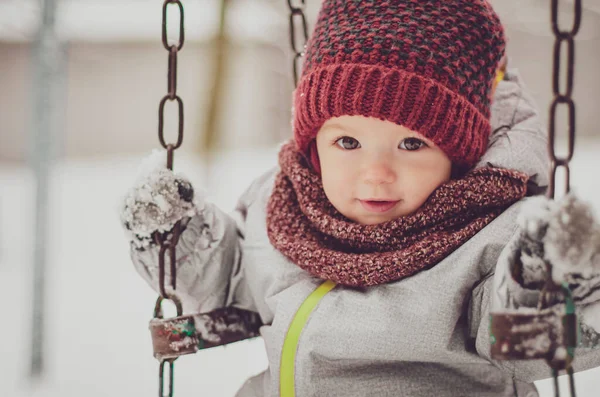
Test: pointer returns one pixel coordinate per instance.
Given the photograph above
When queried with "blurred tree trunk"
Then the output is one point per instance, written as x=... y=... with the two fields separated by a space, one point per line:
x=219 y=49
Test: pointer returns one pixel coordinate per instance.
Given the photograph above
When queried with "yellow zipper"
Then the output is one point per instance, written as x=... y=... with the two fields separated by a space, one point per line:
x=290 y=344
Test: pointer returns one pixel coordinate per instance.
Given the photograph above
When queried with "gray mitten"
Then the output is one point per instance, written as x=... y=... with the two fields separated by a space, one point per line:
x=158 y=199
x=565 y=234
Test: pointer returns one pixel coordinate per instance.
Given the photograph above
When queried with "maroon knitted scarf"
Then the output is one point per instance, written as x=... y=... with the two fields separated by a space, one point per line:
x=304 y=226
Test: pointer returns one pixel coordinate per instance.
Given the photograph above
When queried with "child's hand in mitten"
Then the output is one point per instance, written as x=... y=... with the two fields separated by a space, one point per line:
x=565 y=234
x=158 y=200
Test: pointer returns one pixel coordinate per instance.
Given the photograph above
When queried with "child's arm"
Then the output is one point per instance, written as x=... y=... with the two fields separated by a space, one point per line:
x=209 y=272
x=519 y=139
x=557 y=228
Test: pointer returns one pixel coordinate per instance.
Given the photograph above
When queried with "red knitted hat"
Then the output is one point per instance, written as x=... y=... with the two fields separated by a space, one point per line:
x=428 y=65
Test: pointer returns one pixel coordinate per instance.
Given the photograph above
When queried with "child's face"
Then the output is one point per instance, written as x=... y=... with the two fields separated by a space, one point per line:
x=374 y=171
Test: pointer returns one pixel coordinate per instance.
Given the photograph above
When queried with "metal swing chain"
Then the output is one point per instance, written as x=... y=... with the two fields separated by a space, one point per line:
x=562 y=97
x=297 y=15
x=168 y=242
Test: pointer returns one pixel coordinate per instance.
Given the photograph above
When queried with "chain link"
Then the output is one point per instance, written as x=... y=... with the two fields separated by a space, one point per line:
x=162 y=377
x=297 y=16
x=562 y=97
x=168 y=241
x=165 y=40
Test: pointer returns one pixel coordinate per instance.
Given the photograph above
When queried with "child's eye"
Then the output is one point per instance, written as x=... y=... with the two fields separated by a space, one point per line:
x=347 y=143
x=412 y=144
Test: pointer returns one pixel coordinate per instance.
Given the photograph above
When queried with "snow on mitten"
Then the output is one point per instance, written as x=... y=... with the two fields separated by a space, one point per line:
x=158 y=199
x=533 y=223
x=565 y=234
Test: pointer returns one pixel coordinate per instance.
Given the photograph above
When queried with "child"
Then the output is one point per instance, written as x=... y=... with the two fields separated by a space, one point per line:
x=370 y=252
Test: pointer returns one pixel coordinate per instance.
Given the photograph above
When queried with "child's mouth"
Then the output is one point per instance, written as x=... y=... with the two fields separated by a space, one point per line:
x=378 y=206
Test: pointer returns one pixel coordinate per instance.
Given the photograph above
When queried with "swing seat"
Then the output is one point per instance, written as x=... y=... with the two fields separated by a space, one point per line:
x=532 y=334
x=181 y=335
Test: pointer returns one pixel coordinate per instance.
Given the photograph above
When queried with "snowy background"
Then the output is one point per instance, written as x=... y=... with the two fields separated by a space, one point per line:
x=97 y=308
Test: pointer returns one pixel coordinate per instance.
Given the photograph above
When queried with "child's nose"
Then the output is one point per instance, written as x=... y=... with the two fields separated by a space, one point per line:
x=379 y=172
